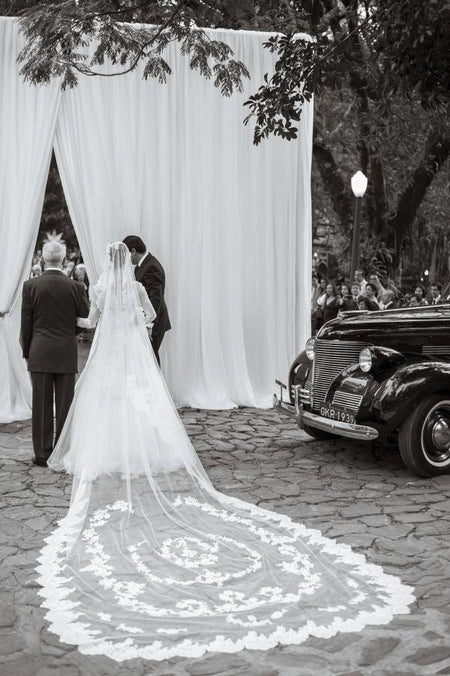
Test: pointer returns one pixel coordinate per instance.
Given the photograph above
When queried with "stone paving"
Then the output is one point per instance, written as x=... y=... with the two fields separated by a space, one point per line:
x=357 y=494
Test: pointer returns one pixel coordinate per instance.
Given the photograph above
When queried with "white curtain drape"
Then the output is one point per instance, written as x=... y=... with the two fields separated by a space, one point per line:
x=230 y=222
x=27 y=123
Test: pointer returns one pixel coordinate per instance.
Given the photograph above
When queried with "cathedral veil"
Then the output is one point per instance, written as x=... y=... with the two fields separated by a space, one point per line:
x=151 y=561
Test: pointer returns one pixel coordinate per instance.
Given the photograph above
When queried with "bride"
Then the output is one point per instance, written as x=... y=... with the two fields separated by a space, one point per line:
x=151 y=561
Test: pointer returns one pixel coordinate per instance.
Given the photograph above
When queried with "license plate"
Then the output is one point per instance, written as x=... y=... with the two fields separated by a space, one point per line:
x=338 y=414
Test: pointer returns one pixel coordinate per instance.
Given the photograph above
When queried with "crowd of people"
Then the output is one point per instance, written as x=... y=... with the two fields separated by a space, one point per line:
x=73 y=267
x=329 y=299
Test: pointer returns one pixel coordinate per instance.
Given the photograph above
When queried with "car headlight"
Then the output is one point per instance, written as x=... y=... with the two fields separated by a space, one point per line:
x=365 y=360
x=309 y=348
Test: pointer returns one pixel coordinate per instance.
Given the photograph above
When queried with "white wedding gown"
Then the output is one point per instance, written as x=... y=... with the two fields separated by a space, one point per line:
x=151 y=561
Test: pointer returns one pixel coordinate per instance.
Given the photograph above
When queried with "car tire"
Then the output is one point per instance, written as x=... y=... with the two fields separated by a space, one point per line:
x=424 y=438
x=318 y=434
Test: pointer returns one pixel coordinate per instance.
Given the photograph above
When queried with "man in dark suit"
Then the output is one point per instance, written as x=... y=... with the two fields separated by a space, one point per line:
x=51 y=304
x=150 y=273
x=387 y=301
x=435 y=294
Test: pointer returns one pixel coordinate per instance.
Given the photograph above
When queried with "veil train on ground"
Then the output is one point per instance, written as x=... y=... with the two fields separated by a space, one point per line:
x=151 y=561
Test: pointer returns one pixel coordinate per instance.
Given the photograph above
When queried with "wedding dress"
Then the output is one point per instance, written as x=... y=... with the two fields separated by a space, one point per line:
x=151 y=561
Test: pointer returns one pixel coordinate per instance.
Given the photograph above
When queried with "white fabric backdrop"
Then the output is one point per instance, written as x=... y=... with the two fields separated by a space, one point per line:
x=27 y=124
x=230 y=222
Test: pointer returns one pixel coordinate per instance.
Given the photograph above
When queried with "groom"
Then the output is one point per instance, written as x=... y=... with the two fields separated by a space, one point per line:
x=150 y=273
x=51 y=304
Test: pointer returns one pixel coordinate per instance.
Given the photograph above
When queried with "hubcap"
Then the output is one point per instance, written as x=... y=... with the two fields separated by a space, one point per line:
x=441 y=434
x=436 y=435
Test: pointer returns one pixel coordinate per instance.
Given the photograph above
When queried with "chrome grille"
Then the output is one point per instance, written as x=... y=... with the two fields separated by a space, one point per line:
x=347 y=400
x=330 y=358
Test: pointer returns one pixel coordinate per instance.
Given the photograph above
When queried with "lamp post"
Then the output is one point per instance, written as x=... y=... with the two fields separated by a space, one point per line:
x=359 y=187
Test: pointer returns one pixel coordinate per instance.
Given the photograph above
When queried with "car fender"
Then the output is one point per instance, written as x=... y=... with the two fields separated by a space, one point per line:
x=403 y=389
x=301 y=367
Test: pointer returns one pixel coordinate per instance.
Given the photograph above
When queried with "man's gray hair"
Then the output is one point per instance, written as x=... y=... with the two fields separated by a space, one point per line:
x=54 y=252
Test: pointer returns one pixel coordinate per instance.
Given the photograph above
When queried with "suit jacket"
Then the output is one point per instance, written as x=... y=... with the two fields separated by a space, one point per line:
x=51 y=304
x=152 y=276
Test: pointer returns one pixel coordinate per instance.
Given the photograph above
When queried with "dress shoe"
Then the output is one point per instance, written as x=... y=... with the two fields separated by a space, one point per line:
x=40 y=462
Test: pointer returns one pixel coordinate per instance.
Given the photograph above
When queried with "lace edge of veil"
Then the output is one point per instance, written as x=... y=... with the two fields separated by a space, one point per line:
x=62 y=614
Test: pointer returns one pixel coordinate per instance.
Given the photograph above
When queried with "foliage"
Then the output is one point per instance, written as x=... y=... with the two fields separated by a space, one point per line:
x=416 y=46
x=58 y=33
x=55 y=215
x=403 y=43
x=379 y=70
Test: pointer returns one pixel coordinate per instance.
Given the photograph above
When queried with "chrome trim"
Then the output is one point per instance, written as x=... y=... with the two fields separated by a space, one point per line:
x=331 y=358
x=362 y=432
x=286 y=406
x=347 y=400
x=283 y=406
x=433 y=350
x=304 y=395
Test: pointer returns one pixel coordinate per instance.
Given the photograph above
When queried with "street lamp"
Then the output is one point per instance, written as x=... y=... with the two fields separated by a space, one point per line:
x=359 y=187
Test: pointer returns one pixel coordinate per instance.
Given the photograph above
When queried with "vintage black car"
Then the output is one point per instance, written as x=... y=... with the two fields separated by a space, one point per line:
x=368 y=375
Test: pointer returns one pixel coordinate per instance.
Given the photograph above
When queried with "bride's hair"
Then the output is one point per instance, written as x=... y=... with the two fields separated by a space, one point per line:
x=117 y=252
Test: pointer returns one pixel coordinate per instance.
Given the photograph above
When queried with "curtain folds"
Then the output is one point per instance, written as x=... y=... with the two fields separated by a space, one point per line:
x=27 y=124
x=230 y=222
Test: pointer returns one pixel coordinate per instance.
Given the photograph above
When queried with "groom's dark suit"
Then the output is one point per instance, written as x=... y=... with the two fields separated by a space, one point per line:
x=151 y=274
x=50 y=305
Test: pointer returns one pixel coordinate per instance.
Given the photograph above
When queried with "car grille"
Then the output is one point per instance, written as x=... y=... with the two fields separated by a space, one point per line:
x=330 y=358
x=347 y=400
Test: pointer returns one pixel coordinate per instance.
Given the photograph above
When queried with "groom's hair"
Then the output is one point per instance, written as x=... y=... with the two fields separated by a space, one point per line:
x=53 y=252
x=135 y=242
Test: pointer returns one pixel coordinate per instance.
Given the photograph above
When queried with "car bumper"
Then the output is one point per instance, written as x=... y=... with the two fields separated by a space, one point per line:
x=296 y=410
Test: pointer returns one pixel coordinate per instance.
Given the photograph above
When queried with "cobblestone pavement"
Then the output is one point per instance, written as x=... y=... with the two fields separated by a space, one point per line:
x=357 y=494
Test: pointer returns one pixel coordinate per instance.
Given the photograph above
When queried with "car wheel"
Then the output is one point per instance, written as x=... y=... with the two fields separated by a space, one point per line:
x=318 y=434
x=424 y=438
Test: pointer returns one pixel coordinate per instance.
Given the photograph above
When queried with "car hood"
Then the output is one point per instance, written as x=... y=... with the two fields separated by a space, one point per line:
x=406 y=329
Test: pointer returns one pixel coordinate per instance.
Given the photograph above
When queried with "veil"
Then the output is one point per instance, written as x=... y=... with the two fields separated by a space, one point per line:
x=151 y=561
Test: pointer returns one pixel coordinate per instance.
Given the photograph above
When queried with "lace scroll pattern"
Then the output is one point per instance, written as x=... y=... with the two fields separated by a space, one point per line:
x=240 y=577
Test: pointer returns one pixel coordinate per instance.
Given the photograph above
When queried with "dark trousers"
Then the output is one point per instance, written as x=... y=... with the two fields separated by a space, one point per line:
x=45 y=385
x=156 y=341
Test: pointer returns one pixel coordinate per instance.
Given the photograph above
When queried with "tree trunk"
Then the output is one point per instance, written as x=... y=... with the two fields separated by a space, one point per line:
x=437 y=150
x=332 y=180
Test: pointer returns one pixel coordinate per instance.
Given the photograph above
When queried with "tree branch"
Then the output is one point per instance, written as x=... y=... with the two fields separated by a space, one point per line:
x=437 y=152
x=142 y=49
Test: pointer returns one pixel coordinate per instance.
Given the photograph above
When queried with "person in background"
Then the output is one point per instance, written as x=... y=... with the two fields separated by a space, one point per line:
x=435 y=294
x=316 y=311
x=387 y=301
x=356 y=292
x=371 y=294
x=374 y=279
x=329 y=303
x=80 y=275
x=418 y=298
x=36 y=270
x=346 y=301
x=365 y=303
x=68 y=268
x=359 y=279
